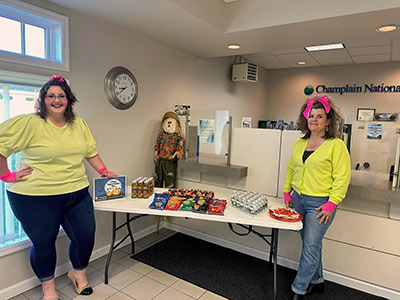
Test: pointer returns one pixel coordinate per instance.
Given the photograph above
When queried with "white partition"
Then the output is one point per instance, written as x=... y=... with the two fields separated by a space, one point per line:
x=257 y=149
x=289 y=138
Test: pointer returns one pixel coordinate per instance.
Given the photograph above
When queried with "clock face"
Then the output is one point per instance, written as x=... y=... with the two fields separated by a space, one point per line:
x=124 y=88
x=120 y=87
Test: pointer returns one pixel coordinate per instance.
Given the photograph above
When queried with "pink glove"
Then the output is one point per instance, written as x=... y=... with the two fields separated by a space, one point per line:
x=9 y=176
x=328 y=206
x=287 y=197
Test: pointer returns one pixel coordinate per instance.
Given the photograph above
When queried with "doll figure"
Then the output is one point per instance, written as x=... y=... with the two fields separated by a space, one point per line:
x=167 y=151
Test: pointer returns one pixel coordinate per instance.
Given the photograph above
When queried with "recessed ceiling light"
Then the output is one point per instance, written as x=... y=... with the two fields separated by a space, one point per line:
x=301 y=62
x=233 y=46
x=387 y=28
x=325 y=47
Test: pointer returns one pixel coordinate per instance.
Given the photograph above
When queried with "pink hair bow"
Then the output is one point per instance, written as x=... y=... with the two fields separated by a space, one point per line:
x=324 y=100
x=56 y=77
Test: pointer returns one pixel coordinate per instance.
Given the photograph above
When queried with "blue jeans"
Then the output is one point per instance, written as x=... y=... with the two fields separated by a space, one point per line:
x=41 y=218
x=310 y=266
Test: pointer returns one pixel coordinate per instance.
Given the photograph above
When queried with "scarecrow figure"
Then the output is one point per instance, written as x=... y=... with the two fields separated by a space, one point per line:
x=168 y=149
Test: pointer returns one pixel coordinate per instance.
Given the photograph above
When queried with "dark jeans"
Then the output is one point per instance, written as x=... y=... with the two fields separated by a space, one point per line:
x=41 y=217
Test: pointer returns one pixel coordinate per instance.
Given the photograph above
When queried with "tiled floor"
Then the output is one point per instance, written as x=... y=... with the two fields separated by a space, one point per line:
x=128 y=279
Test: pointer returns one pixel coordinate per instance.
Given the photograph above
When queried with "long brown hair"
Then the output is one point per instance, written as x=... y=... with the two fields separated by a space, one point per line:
x=40 y=105
x=333 y=130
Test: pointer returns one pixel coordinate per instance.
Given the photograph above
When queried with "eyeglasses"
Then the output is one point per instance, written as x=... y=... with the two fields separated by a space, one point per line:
x=53 y=97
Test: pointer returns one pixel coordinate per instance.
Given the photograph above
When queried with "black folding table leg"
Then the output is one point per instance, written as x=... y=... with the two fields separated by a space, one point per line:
x=114 y=233
x=274 y=249
x=128 y=225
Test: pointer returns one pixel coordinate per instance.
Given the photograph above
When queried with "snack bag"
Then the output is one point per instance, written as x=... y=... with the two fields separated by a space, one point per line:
x=187 y=204
x=216 y=207
x=201 y=205
x=208 y=194
x=174 y=203
x=159 y=202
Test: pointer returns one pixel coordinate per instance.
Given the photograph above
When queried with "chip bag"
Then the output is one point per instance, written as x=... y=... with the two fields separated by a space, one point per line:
x=201 y=205
x=187 y=204
x=159 y=202
x=174 y=203
x=216 y=206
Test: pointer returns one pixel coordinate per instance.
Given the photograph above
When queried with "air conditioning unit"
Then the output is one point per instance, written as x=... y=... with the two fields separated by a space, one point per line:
x=245 y=72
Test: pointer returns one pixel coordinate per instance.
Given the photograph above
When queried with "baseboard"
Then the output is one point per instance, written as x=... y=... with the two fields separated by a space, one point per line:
x=32 y=282
x=331 y=276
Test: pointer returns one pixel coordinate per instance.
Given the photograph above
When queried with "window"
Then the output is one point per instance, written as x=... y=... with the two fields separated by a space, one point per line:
x=33 y=36
x=17 y=95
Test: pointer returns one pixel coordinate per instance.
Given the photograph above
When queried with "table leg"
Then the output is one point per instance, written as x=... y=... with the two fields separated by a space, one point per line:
x=271 y=252
x=114 y=232
x=274 y=249
x=128 y=225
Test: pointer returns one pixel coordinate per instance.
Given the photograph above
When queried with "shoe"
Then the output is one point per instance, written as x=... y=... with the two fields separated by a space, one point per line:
x=85 y=290
x=318 y=287
x=297 y=296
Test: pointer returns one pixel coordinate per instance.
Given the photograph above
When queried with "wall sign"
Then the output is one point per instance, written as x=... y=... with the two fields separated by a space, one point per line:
x=348 y=88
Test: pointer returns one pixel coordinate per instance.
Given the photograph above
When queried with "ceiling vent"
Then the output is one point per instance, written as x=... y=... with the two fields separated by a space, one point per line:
x=245 y=72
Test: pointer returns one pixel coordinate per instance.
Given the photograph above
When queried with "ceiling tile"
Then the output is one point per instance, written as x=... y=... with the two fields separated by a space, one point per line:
x=363 y=59
x=287 y=51
x=267 y=61
x=294 y=57
x=369 y=50
x=331 y=57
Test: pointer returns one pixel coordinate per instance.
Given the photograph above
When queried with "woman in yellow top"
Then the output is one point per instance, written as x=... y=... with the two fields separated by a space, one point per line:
x=318 y=174
x=51 y=188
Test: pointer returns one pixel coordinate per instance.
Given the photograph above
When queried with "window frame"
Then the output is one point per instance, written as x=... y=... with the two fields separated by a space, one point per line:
x=18 y=10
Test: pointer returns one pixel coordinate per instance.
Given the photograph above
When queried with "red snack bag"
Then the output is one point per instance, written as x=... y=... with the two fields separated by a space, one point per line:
x=173 y=203
x=216 y=206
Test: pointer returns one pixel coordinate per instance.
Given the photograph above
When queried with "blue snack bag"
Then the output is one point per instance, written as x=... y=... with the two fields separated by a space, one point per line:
x=159 y=202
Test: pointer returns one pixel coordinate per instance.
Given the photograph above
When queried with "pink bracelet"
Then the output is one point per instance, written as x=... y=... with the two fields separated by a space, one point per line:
x=102 y=170
x=9 y=176
x=287 y=197
x=328 y=206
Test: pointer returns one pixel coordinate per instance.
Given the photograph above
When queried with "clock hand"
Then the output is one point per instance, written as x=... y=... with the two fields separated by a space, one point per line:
x=122 y=89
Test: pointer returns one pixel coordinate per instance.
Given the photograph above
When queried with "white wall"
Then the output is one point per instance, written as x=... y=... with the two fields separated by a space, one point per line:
x=125 y=138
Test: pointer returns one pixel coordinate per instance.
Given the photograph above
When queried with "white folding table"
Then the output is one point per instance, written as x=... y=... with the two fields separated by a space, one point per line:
x=232 y=215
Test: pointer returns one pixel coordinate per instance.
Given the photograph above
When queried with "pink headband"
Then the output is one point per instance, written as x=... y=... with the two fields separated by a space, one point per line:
x=324 y=100
x=56 y=77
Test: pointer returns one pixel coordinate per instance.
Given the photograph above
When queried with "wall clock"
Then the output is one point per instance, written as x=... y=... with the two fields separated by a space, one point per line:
x=120 y=87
